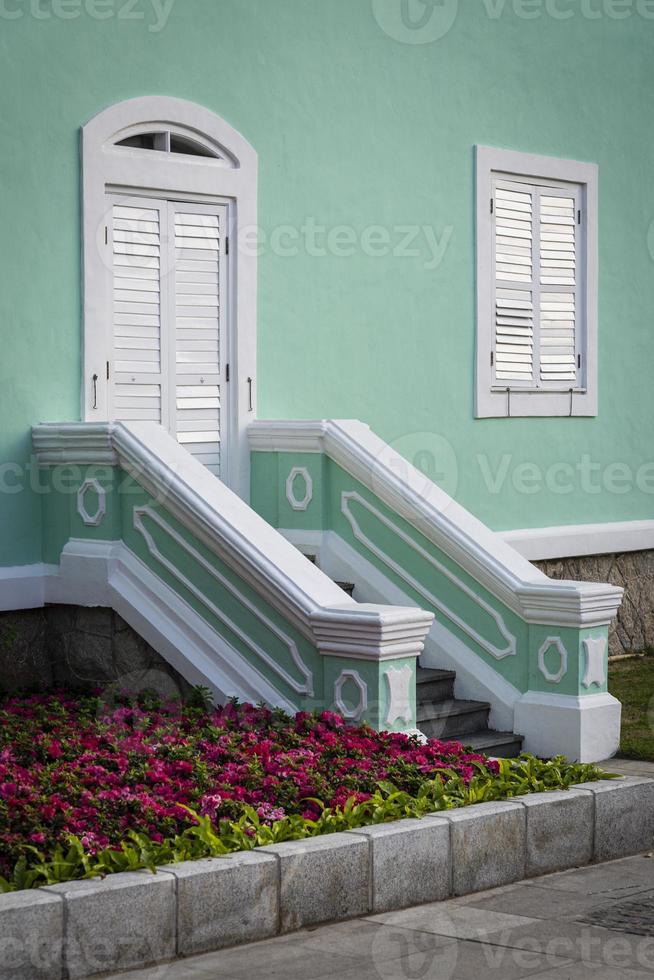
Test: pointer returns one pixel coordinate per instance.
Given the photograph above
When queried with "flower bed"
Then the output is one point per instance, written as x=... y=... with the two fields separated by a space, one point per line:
x=87 y=788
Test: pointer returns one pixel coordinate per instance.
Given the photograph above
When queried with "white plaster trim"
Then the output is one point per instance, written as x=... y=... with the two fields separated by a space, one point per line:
x=22 y=586
x=497 y=652
x=303 y=502
x=491 y=403
x=596 y=661
x=475 y=679
x=356 y=713
x=578 y=540
x=398 y=681
x=305 y=688
x=107 y=167
x=107 y=573
x=230 y=529
x=557 y=676
x=370 y=631
x=92 y=520
x=585 y=729
x=72 y=443
x=473 y=546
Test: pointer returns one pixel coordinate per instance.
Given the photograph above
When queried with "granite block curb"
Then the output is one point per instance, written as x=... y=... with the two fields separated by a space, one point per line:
x=137 y=919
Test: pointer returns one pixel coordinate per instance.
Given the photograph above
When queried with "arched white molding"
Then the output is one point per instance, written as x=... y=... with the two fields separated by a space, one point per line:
x=230 y=179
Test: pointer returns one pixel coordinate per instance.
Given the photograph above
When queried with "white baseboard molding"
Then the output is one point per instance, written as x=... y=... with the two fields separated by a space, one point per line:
x=22 y=587
x=579 y=540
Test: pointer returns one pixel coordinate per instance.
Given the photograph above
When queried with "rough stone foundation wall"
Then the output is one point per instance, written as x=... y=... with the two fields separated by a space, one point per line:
x=79 y=648
x=634 y=571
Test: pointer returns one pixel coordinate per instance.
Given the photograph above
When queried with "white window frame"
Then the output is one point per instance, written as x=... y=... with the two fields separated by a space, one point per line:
x=493 y=400
x=109 y=170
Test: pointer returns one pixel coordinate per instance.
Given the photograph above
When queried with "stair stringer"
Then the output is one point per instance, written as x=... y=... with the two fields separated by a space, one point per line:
x=107 y=573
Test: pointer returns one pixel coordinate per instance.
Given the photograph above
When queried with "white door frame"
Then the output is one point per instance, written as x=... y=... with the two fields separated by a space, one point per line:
x=108 y=169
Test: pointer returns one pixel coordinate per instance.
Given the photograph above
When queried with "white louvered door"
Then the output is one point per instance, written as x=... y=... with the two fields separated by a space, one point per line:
x=169 y=320
x=536 y=285
x=139 y=348
x=199 y=240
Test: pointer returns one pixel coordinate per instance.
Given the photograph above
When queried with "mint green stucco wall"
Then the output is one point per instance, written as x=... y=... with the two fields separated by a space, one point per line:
x=352 y=127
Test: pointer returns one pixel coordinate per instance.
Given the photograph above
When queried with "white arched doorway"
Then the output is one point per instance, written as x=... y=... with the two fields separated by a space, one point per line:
x=169 y=298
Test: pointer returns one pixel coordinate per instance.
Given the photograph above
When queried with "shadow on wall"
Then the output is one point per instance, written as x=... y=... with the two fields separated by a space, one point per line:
x=633 y=630
x=79 y=649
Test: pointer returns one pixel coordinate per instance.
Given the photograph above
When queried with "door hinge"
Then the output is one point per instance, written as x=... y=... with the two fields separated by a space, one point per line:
x=578 y=217
x=227 y=372
x=492 y=358
x=107 y=370
x=578 y=360
x=492 y=205
x=106 y=235
x=227 y=245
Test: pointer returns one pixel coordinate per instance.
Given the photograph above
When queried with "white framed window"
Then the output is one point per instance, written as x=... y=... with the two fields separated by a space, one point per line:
x=169 y=298
x=536 y=285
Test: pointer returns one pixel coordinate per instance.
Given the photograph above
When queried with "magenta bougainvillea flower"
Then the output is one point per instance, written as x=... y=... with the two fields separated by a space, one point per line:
x=74 y=765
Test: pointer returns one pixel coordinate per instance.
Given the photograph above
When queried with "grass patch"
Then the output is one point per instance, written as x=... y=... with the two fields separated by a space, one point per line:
x=632 y=682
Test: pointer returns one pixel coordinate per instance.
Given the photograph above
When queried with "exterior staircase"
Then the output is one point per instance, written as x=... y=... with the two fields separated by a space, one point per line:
x=442 y=716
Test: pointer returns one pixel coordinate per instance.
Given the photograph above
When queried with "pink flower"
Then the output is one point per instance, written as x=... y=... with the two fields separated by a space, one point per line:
x=54 y=749
x=269 y=813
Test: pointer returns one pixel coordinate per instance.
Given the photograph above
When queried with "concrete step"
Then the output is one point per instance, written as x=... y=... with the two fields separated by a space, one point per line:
x=452 y=718
x=501 y=745
x=434 y=685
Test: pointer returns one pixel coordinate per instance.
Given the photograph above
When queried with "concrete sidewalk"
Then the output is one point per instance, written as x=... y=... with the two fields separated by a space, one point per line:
x=595 y=922
x=629 y=767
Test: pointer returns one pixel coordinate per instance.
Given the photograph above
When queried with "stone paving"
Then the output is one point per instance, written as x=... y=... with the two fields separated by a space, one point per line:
x=629 y=767
x=545 y=928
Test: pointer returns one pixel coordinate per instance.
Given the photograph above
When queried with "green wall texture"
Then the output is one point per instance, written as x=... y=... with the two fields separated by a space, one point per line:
x=353 y=127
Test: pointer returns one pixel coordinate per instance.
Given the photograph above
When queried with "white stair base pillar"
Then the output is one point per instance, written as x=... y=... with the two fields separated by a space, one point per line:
x=585 y=729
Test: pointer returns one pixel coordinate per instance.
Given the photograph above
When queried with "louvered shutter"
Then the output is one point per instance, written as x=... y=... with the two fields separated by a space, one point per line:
x=514 y=283
x=536 y=294
x=199 y=244
x=136 y=238
x=559 y=294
